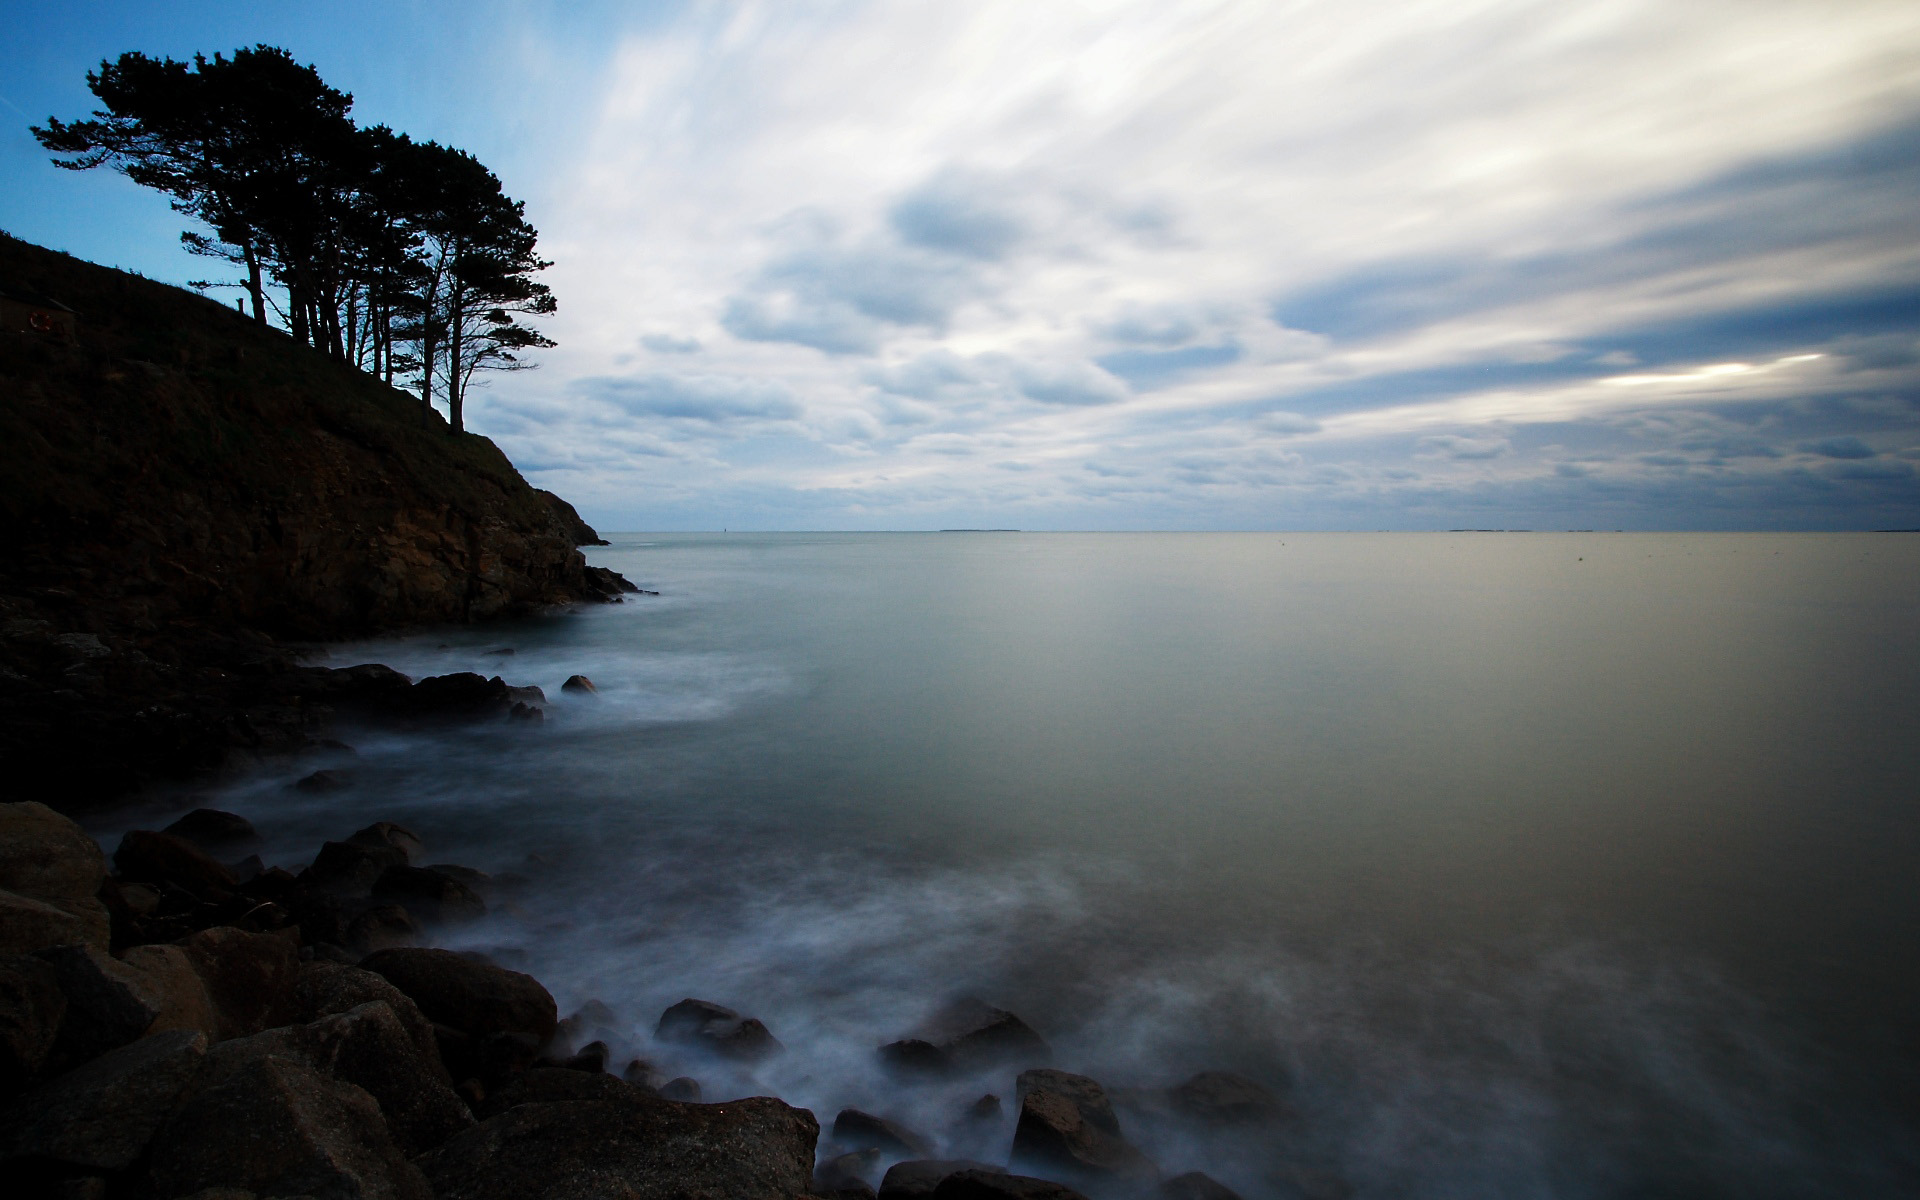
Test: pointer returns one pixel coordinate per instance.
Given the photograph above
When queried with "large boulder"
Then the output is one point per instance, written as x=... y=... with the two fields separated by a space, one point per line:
x=248 y=976
x=717 y=1028
x=106 y=1003
x=640 y=1148
x=323 y=989
x=998 y=1185
x=45 y=855
x=469 y=995
x=278 y=1128
x=164 y=979
x=161 y=858
x=393 y=837
x=103 y=1114
x=350 y=868
x=29 y=923
x=224 y=835
x=855 y=1129
x=369 y=1048
x=548 y=1085
x=916 y=1179
x=1067 y=1127
x=31 y=1009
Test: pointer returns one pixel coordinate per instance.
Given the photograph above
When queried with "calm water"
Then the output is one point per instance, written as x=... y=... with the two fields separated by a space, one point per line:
x=1525 y=865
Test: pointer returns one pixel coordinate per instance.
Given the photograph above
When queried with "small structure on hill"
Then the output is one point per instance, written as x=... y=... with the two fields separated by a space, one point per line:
x=25 y=311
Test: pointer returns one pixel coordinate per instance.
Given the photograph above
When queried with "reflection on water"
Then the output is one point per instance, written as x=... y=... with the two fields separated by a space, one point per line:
x=1531 y=865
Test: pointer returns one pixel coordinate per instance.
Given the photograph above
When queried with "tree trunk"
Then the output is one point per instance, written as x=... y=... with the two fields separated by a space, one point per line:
x=254 y=289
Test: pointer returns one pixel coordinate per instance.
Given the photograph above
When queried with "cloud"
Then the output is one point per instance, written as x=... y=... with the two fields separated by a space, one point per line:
x=1068 y=383
x=1465 y=448
x=1148 y=369
x=713 y=399
x=960 y=215
x=1839 y=447
x=662 y=343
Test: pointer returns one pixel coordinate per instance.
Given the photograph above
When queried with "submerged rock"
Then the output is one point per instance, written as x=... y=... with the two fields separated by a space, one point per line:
x=717 y=1028
x=855 y=1128
x=1067 y=1127
x=638 y=1148
x=853 y=1171
x=1224 y=1098
x=976 y=1035
x=579 y=685
x=916 y=1058
x=431 y=894
x=350 y=869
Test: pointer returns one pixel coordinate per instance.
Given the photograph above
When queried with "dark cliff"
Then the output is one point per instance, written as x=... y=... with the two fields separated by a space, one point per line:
x=180 y=487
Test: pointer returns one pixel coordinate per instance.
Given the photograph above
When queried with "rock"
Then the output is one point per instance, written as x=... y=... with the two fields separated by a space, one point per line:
x=324 y=989
x=474 y=997
x=591 y=1057
x=161 y=858
x=915 y=1058
x=547 y=1085
x=1067 y=1127
x=991 y=1185
x=639 y=1148
x=717 y=1028
x=324 y=780
x=683 y=1088
x=977 y=1035
x=106 y=1007
x=164 y=979
x=847 y=1172
x=986 y=1108
x=433 y=896
x=350 y=868
x=1224 y=1098
x=31 y=1008
x=224 y=835
x=103 y=1114
x=370 y=1047
x=47 y=856
x=393 y=837
x=277 y=1128
x=591 y=1020
x=643 y=1074
x=478 y=882
x=917 y=1178
x=463 y=696
x=28 y=924
x=527 y=713
x=1196 y=1186
x=855 y=1128
x=382 y=927
x=579 y=685
x=249 y=977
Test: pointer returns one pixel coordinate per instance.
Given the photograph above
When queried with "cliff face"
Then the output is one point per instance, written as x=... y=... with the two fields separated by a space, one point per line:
x=179 y=487
x=180 y=462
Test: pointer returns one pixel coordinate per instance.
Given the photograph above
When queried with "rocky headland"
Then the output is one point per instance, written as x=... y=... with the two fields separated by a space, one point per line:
x=189 y=499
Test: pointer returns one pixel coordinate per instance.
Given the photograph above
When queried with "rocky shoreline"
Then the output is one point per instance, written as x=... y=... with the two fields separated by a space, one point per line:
x=185 y=1020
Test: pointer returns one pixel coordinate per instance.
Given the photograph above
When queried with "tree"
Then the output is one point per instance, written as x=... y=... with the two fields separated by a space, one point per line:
x=393 y=255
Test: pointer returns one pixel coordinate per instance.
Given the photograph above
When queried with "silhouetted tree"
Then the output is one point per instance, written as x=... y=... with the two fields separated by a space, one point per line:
x=396 y=256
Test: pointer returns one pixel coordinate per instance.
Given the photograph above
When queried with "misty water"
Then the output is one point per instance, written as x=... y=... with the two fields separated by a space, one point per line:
x=1521 y=865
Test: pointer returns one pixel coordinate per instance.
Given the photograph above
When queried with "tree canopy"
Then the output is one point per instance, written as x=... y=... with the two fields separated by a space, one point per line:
x=404 y=258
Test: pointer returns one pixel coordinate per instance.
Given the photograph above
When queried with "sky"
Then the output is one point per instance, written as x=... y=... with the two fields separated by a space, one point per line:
x=1295 y=264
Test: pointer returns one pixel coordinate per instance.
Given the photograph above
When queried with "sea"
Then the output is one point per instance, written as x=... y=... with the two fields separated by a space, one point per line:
x=1517 y=864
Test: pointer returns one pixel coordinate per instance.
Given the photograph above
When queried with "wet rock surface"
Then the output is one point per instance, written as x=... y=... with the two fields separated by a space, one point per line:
x=718 y=1029
x=1067 y=1127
